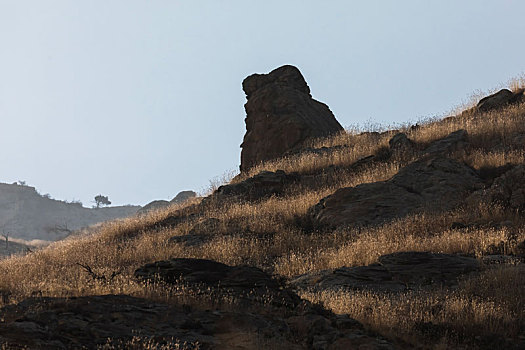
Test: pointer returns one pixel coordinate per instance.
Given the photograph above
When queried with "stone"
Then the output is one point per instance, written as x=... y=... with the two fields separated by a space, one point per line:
x=455 y=141
x=281 y=116
x=240 y=281
x=122 y=322
x=500 y=99
x=508 y=190
x=257 y=187
x=429 y=184
x=400 y=142
x=397 y=272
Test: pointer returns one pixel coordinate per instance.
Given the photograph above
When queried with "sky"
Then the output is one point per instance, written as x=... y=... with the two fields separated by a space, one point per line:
x=138 y=100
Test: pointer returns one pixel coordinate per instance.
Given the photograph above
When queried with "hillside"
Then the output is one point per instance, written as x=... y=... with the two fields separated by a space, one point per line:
x=389 y=239
x=26 y=215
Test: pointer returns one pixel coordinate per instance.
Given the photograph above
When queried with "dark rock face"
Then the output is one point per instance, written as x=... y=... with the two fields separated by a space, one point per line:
x=455 y=141
x=433 y=184
x=396 y=272
x=500 y=99
x=508 y=190
x=234 y=280
x=262 y=185
x=95 y=322
x=400 y=141
x=281 y=116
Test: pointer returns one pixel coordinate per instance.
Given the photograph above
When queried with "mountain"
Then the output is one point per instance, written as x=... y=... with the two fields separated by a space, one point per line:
x=406 y=238
x=26 y=215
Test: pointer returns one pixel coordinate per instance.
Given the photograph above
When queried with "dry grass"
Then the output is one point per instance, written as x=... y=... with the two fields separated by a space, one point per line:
x=492 y=303
x=266 y=234
x=145 y=343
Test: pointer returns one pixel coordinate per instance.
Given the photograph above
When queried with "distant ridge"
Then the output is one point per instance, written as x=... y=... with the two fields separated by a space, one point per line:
x=27 y=215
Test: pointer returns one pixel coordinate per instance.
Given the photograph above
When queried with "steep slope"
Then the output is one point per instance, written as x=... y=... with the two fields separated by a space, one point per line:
x=270 y=261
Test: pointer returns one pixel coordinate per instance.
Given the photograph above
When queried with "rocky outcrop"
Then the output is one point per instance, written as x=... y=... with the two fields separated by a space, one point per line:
x=400 y=142
x=433 y=184
x=455 y=141
x=125 y=322
x=262 y=185
x=281 y=115
x=239 y=281
x=508 y=190
x=500 y=99
x=397 y=272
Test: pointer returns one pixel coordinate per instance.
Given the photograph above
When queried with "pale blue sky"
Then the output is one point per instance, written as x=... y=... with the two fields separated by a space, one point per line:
x=139 y=100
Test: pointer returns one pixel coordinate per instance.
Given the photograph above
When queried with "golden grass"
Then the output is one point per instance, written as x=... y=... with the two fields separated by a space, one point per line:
x=491 y=303
x=266 y=234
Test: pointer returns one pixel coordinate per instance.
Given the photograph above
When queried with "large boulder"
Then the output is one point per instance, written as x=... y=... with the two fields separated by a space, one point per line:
x=397 y=272
x=281 y=115
x=500 y=99
x=508 y=190
x=430 y=184
x=453 y=142
x=239 y=281
x=262 y=185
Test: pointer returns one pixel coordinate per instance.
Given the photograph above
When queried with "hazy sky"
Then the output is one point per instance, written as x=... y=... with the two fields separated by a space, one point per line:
x=139 y=100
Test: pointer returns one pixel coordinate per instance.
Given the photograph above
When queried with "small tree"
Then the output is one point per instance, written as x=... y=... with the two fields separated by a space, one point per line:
x=102 y=200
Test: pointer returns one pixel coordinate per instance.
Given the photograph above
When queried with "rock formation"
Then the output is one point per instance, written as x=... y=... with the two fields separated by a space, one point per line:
x=397 y=272
x=126 y=322
x=239 y=281
x=507 y=190
x=281 y=115
x=262 y=185
x=432 y=183
x=500 y=99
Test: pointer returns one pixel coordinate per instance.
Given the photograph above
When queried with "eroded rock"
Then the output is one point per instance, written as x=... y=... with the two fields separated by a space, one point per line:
x=500 y=99
x=281 y=116
x=508 y=190
x=432 y=184
x=397 y=272
x=455 y=141
x=240 y=281
x=262 y=185
x=400 y=142
x=112 y=321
